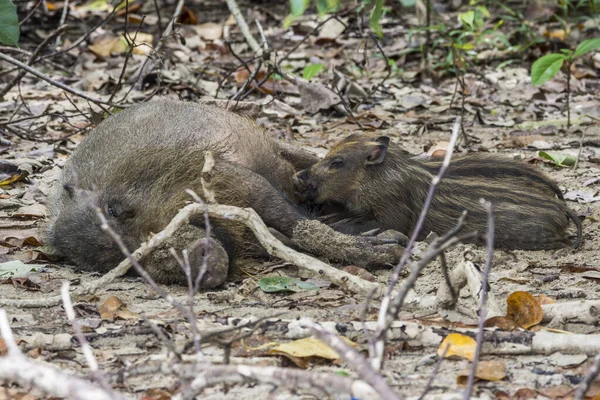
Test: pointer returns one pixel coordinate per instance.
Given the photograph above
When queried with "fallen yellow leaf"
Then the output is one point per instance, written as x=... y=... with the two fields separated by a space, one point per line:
x=308 y=347
x=459 y=345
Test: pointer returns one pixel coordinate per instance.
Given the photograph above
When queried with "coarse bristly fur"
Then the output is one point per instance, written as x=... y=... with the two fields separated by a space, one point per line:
x=136 y=165
x=376 y=180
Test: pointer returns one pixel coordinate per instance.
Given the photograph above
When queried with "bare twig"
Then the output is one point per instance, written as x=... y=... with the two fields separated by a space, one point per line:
x=85 y=346
x=434 y=373
x=55 y=83
x=246 y=216
x=15 y=367
x=583 y=132
x=188 y=313
x=482 y=308
x=589 y=379
x=31 y=59
x=354 y=360
x=390 y=307
x=63 y=18
x=204 y=376
x=239 y=18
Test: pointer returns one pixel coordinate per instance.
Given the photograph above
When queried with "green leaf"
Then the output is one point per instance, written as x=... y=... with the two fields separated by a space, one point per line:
x=463 y=46
x=561 y=160
x=9 y=23
x=284 y=284
x=484 y=11
x=288 y=21
x=546 y=67
x=467 y=18
x=16 y=268
x=327 y=6
x=311 y=70
x=374 y=19
x=298 y=7
x=586 y=46
x=408 y=3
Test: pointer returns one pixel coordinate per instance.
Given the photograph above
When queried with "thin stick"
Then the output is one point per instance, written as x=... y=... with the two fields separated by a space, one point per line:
x=63 y=18
x=85 y=346
x=55 y=83
x=484 y=292
x=237 y=14
x=17 y=368
x=589 y=379
x=434 y=373
x=386 y=316
x=354 y=360
x=31 y=59
x=187 y=313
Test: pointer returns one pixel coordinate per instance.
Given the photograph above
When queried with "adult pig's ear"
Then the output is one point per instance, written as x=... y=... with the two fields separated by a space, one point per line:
x=378 y=150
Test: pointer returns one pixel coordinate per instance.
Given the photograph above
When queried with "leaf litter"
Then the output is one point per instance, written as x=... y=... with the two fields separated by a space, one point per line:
x=504 y=113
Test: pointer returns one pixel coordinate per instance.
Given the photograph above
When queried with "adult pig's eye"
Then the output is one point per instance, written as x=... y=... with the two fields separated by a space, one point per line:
x=111 y=211
x=335 y=164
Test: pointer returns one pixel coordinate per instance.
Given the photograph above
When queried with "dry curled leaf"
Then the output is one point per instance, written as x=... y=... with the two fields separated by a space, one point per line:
x=524 y=309
x=113 y=308
x=459 y=346
x=525 y=394
x=502 y=323
x=308 y=347
x=360 y=272
x=486 y=370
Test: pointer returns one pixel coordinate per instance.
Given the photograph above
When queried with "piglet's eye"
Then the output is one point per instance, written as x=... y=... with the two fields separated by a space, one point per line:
x=336 y=164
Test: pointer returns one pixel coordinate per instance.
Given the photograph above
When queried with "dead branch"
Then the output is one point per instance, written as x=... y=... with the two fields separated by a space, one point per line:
x=466 y=274
x=85 y=346
x=589 y=379
x=494 y=341
x=207 y=375
x=390 y=307
x=51 y=81
x=485 y=286
x=32 y=58
x=354 y=360
x=244 y=215
x=15 y=367
x=239 y=18
x=585 y=312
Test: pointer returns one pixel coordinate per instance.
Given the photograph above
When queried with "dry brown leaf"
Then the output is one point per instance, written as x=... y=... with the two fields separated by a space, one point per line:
x=502 y=323
x=460 y=346
x=501 y=395
x=360 y=272
x=104 y=48
x=486 y=370
x=308 y=347
x=187 y=17
x=524 y=309
x=113 y=308
x=3 y=349
x=557 y=392
x=156 y=394
x=525 y=394
x=315 y=97
x=517 y=140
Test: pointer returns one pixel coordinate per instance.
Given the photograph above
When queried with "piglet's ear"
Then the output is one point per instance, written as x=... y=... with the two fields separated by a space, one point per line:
x=378 y=150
